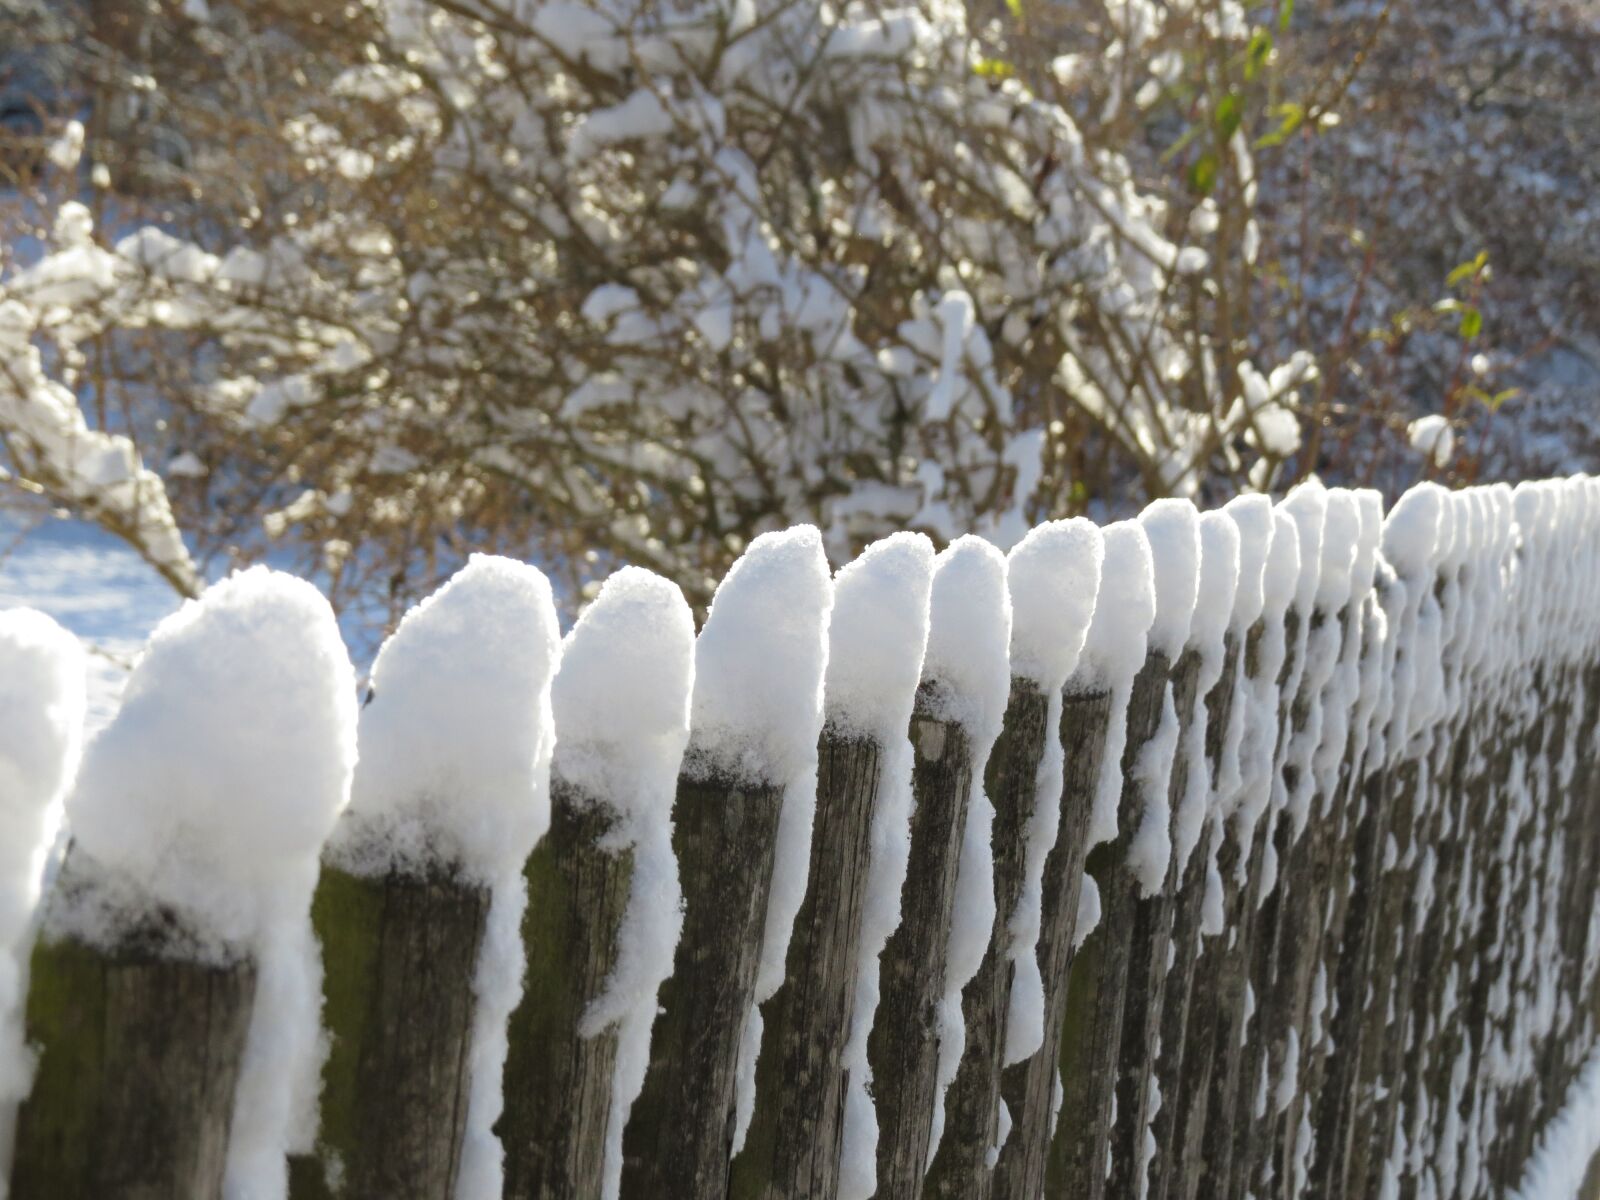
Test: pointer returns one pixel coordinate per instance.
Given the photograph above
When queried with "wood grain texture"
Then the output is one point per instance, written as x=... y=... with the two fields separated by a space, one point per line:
x=903 y=1047
x=680 y=1133
x=961 y=1168
x=1091 y=1039
x=139 y=1049
x=1029 y=1087
x=792 y=1148
x=399 y=954
x=558 y=1083
x=1171 y=1123
x=1150 y=958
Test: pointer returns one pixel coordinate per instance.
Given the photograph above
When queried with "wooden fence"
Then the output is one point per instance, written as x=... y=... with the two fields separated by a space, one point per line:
x=1251 y=853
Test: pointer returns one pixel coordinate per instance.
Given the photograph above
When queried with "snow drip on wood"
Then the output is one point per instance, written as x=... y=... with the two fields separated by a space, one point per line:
x=968 y=667
x=212 y=791
x=1213 y=615
x=1053 y=576
x=877 y=637
x=42 y=703
x=1259 y=736
x=1113 y=651
x=621 y=703
x=454 y=775
x=756 y=715
x=1173 y=527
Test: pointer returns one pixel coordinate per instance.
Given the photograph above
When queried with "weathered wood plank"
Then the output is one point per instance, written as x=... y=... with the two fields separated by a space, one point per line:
x=680 y=1133
x=1029 y=1088
x=1097 y=986
x=140 y=1045
x=904 y=1044
x=1171 y=1122
x=557 y=1084
x=1149 y=962
x=793 y=1144
x=903 y=1047
x=961 y=1168
x=399 y=953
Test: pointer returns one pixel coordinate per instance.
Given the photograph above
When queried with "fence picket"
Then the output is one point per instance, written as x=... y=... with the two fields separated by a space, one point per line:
x=140 y=1044
x=903 y=1047
x=399 y=953
x=1097 y=987
x=557 y=1082
x=1030 y=1088
x=962 y=1167
x=793 y=1146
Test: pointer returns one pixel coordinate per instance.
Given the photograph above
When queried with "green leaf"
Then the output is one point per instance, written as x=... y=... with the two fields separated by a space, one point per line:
x=1468 y=269
x=1257 y=53
x=1285 y=14
x=1229 y=113
x=994 y=68
x=1290 y=116
x=1203 y=174
x=1471 y=323
x=1016 y=8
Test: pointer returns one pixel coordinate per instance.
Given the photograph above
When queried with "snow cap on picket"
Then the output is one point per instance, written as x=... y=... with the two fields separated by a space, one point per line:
x=1173 y=529
x=969 y=635
x=1125 y=606
x=1252 y=516
x=1219 y=581
x=760 y=658
x=1307 y=506
x=1282 y=573
x=1369 y=507
x=1341 y=537
x=877 y=635
x=1411 y=530
x=456 y=735
x=621 y=696
x=217 y=781
x=1053 y=574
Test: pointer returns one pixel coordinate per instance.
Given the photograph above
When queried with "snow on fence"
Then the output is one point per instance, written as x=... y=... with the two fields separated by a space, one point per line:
x=1240 y=853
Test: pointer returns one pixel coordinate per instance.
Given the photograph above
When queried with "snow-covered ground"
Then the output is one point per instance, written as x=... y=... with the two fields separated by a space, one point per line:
x=95 y=586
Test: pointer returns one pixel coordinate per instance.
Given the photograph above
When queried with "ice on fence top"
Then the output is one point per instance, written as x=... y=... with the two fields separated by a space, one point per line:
x=1252 y=516
x=42 y=702
x=969 y=635
x=759 y=661
x=1054 y=575
x=451 y=739
x=222 y=773
x=877 y=635
x=1114 y=648
x=621 y=697
x=1411 y=530
x=1219 y=580
x=1173 y=528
